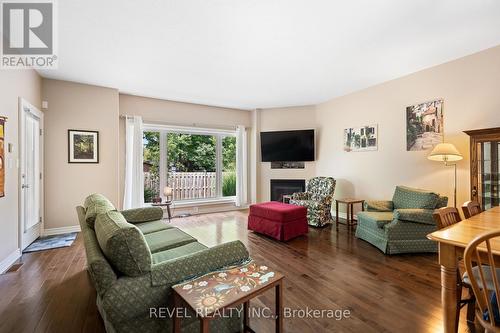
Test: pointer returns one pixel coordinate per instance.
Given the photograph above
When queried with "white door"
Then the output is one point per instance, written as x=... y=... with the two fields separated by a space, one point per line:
x=31 y=123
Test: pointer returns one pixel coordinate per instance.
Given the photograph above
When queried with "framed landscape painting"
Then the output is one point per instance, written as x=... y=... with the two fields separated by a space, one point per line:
x=83 y=146
x=424 y=125
x=363 y=138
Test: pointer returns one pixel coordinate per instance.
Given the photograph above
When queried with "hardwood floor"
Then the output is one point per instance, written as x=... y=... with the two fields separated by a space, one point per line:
x=327 y=270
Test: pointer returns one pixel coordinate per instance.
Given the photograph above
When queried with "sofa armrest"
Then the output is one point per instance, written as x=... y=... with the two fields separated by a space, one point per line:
x=415 y=215
x=139 y=215
x=379 y=206
x=301 y=196
x=174 y=271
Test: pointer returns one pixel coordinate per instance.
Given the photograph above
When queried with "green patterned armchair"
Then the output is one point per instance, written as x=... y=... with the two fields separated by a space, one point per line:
x=402 y=224
x=318 y=200
x=134 y=258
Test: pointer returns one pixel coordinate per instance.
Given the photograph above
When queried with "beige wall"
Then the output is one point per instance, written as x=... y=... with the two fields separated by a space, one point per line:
x=279 y=119
x=469 y=87
x=176 y=113
x=78 y=106
x=13 y=84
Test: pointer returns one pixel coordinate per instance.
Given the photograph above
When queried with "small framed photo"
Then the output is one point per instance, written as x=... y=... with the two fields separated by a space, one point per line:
x=83 y=146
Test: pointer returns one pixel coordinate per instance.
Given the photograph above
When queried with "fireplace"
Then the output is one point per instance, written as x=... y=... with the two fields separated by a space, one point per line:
x=280 y=187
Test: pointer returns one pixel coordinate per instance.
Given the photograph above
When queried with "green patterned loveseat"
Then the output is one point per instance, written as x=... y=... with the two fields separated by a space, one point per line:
x=134 y=258
x=318 y=200
x=402 y=224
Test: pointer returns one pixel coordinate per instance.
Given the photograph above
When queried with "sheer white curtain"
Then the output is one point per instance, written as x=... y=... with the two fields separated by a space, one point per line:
x=241 y=166
x=134 y=176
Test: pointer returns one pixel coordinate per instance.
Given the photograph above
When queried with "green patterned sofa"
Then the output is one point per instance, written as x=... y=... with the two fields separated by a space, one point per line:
x=401 y=225
x=134 y=258
x=318 y=200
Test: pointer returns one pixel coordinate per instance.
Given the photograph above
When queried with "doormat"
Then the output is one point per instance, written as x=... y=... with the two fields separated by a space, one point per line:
x=51 y=242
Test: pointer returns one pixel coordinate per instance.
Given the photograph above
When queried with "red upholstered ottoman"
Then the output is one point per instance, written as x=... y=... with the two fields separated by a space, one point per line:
x=278 y=220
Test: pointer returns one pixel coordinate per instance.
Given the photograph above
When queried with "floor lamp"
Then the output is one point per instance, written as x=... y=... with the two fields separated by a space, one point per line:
x=446 y=152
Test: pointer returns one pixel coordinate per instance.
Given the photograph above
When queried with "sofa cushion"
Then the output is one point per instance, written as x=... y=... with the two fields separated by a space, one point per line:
x=123 y=244
x=442 y=202
x=96 y=204
x=278 y=211
x=415 y=215
x=153 y=226
x=144 y=214
x=177 y=252
x=374 y=219
x=167 y=239
x=93 y=198
x=379 y=206
x=407 y=197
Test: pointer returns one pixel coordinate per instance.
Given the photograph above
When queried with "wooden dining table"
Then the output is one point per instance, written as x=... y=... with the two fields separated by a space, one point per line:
x=452 y=243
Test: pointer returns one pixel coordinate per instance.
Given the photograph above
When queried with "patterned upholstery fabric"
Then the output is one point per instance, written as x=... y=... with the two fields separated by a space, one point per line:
x=125 y=301
x=146 y=214
x=408 y=229
x=167 y=239
x=98 y=267
x=123 y=244
x=176 y=252
x=153 y=226
x=96 y=204
x=415 y=215
x=407 y=197
x=317 y=199
x=93 y=198
x=379 y=206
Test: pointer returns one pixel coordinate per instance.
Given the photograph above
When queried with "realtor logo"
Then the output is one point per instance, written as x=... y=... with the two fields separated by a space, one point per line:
x=28 y=31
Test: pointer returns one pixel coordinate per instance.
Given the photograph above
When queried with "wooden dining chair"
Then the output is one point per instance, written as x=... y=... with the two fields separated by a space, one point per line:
x=471 y=208
x=445 y=217
x=484 y=279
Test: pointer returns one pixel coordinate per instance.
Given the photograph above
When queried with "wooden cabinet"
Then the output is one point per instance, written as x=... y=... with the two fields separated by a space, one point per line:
x=484 y=166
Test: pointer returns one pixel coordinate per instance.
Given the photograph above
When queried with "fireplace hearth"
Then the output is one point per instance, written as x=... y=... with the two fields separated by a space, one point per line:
x=281 y=187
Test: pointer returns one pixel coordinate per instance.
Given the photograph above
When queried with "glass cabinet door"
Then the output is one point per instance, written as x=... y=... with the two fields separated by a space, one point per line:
x=488 y=158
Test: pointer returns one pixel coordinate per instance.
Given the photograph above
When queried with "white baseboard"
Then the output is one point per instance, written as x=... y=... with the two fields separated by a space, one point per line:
x=62 y=230
x=7 y=262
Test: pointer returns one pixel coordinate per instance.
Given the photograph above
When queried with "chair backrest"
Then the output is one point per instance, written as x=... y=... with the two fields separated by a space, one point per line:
x=320 y=187
x=471 y=208
x=479 y=251
x=446 y=216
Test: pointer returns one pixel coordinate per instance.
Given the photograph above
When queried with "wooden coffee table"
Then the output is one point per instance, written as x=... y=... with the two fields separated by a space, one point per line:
x=350 y=202
x=212 y=294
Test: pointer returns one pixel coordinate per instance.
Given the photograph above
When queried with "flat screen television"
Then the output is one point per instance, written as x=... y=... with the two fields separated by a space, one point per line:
x=287 y=146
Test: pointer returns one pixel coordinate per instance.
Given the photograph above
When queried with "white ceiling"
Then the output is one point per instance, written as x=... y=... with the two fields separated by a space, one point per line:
x=263 y=53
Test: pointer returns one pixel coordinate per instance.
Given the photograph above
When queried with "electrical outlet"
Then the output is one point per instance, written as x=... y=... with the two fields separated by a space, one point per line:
x=196 y=210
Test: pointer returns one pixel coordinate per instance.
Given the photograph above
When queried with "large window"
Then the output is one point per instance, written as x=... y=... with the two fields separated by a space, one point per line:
x=195 y=165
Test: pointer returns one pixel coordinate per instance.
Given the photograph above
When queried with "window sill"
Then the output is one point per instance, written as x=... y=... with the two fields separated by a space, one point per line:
x=201 y=202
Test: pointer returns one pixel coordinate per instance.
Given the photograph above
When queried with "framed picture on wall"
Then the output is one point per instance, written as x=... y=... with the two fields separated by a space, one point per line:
x=83 y=146
x=363 y=138
x=424 y=125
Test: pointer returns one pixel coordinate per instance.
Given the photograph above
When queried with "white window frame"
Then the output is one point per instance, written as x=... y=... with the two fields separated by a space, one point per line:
x=219 y=134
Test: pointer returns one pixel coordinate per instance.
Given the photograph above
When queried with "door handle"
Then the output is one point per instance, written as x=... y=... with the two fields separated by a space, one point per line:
x=25 y=186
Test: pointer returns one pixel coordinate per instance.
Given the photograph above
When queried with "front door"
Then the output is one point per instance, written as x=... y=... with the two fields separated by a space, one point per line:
x=31 y=173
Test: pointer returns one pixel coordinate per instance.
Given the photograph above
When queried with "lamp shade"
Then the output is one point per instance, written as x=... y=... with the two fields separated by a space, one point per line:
x=445 y=152
x=167 y=191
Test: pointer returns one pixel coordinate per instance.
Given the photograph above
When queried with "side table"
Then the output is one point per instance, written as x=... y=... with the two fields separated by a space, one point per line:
x=349 y=202
x=165 y=204
x=218 y=293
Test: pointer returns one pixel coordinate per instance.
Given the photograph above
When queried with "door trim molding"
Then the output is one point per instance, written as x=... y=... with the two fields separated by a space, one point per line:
x=22 y=104
x=10 y=260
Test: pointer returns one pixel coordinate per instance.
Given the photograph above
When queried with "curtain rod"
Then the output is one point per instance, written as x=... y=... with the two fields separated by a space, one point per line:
x=196 y=125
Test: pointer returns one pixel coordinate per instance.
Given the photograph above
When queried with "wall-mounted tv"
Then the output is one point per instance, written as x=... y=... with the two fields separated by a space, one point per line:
x=287 y=146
